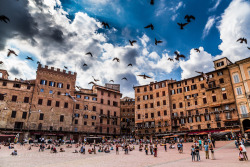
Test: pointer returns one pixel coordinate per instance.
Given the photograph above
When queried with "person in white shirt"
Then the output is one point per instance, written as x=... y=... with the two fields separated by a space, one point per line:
x=244 y=151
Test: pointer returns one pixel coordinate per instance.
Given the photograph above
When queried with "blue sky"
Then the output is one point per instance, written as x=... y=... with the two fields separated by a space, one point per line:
x=60 y=32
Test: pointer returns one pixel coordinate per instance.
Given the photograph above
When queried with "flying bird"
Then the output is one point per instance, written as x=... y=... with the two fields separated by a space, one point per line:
x=111 y=81
x=1 y=62
x=152 y=2
x=150 y=26
x=170 y=59
x=89 y=53
x=130 y=64
x=96 y=80
x=118 y=60
x=204 y=75
x=65 y=67
x=105 y=24
x=124 y=78
x=248 y=48
x=132 y=42
x=189 y=17
x=4 y=19
x=11 y=52
x=84 y=65
x=29 y=58
x=182 y=25
x=91 y=83
x=144 y=76
x=197 y=50
x=242 y=40
x=156 y=42
x=38 y=62
x=178 y=56
x=78 y=87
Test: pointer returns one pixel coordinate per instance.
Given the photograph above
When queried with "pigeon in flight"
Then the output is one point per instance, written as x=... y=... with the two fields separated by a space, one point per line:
x=150 y=26
x=111 y=81
x=38 y=62
x=118 y=60
x=4 y=19
x=197 y=50
x=144 y=76
x=132 y=42
x=178 y=56
x=89 y=53
x=248 y=48
x=29 y=58
x=91 y=83
x=84 y=65
x=242 y=40
x=1 y=62
x=130 y=65
x=156 y=42
x=204 y=75
x=189 y=17
x=11 y=52
x=96 y=80
x=182 y=25
x=65 y=67
x=152 y=2
x=124 y=78
x=105 y=24
x=170 y=59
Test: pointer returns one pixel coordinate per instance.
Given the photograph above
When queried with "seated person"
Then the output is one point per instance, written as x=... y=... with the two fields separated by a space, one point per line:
x=75 y=151
x=48 y=147
x=89 y=150
x=111 y=148
x=29 y=148
x=14 y=152
x=54 y=150
x=62 y=150
x=69 y=146
x=76 y=145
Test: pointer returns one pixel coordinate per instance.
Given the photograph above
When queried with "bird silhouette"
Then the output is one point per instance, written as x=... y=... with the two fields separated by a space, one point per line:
x=29 y=58
x=197 y=50
x=118 y=60
x=150 y=26
x=124 y=78
x=65 y=67
x=105 y=24
x=242 y=40
x=96 y=80
x=4 y=19
x=182 y=25
x=89 y=53
x=132 y=42
x=170 y=59
x=152 y=2
x=130 y=64
x=248 y=48
x=204 y=75
x=144 y=76
x=92 y=83
x=189 y=17
x=38 y=62
x=111 y=81
x=78 y=87
x=156 y=42
x=178 y=56
x=11 y=52
x=84 y=65
x=1 y=62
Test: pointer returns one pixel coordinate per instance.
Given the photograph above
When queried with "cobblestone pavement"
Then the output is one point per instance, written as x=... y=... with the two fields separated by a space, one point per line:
x=225 y=153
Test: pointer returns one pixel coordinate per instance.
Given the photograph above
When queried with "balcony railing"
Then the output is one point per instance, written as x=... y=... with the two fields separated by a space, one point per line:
x=247 y=115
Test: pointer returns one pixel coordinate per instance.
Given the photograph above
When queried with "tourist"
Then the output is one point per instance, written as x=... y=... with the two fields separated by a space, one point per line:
x=211 y=148
x=151 y=149
x=200 y=143
x=197 y=152
x=117 y=149
x=206 y=150
x=213 y=141
x=244 y=151
x=14 y=152
x=236 y=142
x=241 y=156
x=155 y=150
x=193 y=153
x=165 y=147
x=146 y=149
x=62 y=150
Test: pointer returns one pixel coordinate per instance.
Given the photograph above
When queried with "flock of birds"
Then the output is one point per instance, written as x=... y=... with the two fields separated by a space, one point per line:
x=177 y=57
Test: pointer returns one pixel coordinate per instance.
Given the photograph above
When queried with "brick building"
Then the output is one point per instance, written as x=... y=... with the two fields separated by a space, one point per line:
x=127 y=117
x=188 y=106
x=50 y=106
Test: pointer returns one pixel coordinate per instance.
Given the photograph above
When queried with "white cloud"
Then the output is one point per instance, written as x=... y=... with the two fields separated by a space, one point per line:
x=210 y=22
x=154 y=56
x=215 y=6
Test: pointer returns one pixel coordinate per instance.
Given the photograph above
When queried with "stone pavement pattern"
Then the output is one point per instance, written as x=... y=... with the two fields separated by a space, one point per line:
x=225 y=153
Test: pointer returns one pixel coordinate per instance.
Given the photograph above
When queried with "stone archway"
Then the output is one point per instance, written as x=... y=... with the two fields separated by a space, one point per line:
x=246 y=124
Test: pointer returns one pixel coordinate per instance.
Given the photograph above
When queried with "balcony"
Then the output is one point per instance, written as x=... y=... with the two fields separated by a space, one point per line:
x=247 y=115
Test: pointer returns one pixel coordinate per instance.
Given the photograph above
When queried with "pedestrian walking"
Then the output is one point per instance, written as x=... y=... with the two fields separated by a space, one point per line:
x=117 y=149
x=151 y=149
x=211 y=148
x=155 y=150
x=146 y=149
x=165 y=146
x=213 y=141
x=197 y=152
x=193 y=153
x=206 y=150
x=244 y=151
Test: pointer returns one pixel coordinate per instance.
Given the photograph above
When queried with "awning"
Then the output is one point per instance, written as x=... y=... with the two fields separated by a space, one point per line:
x=209 y=131
x=231 y=120
x=232 y=130
x=50 y=134
x=247 y=131
x=2 y=135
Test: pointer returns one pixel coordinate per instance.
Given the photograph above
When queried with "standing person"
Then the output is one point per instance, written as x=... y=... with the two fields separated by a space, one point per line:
x=155 y=150
x=197 y=152
x=151 y=148
x=200 y=143
x=165 y=146
x=146 y=149
x=206 y=150
x=244 y=151
x=211 y=148
x=193 y=153
x=213 y=141
x=117 y=149
x=236 y=143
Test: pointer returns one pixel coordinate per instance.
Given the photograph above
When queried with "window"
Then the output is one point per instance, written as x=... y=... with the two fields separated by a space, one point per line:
x=108 y=102
x=16 y=85
x=179 y=90
x=78 y=96
x=49 y=103
x=58 y=93
x=40 y=125
x=220 y=64
x=94 y=108
x=193 y=87
x=146 y=105
x=186 y=89
x=86 y=97
x=236 y=78
x=40 y=101
x=28 y=87
x=218 y=125
x=66 y=105
x=220 y=73
x=221 y=80
x=24 y=115
x=51 y=83
x=85 y=116
x=43 y=82
x=76 y=121
x=243 y=109
x=224 y=96
x=77 y=106
x=14 y=98
x=190 y=119
x=151 y=105
x=41 y=116
x=159 y=113
x=158 y=103
x=180 y=104
x=138 y=90
x=223 y=89
x=107 y=121
x=145 y=89
x=210 y=76
x=60 y=85
x=101 y=120
x=214 y=98
x=41 y=90
x=164 y=102
x=207 y=117
x=101 y=101
x=61 y=118
x=26 y=100
x=189 y=104
x=51 y=92
x=192 y=80
x=151 y=96
x=165 y=112
x=157 y=94
x=138 y=107
x=163 y=93
x=204 y=101
x=201 y=79
x=152 y=115
x=172 y=92
x=202 y=86
x=174 y=106
x=86 y=107
x=115 y=103
x=13 y=114
x=198 y=119
x=4 y=83
x=68 y=86
x=139 y=116
x=94 y=99
x=239 y=91
x=208 y=126
x=60 y=128
x=93 y=117
x=57 y=103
